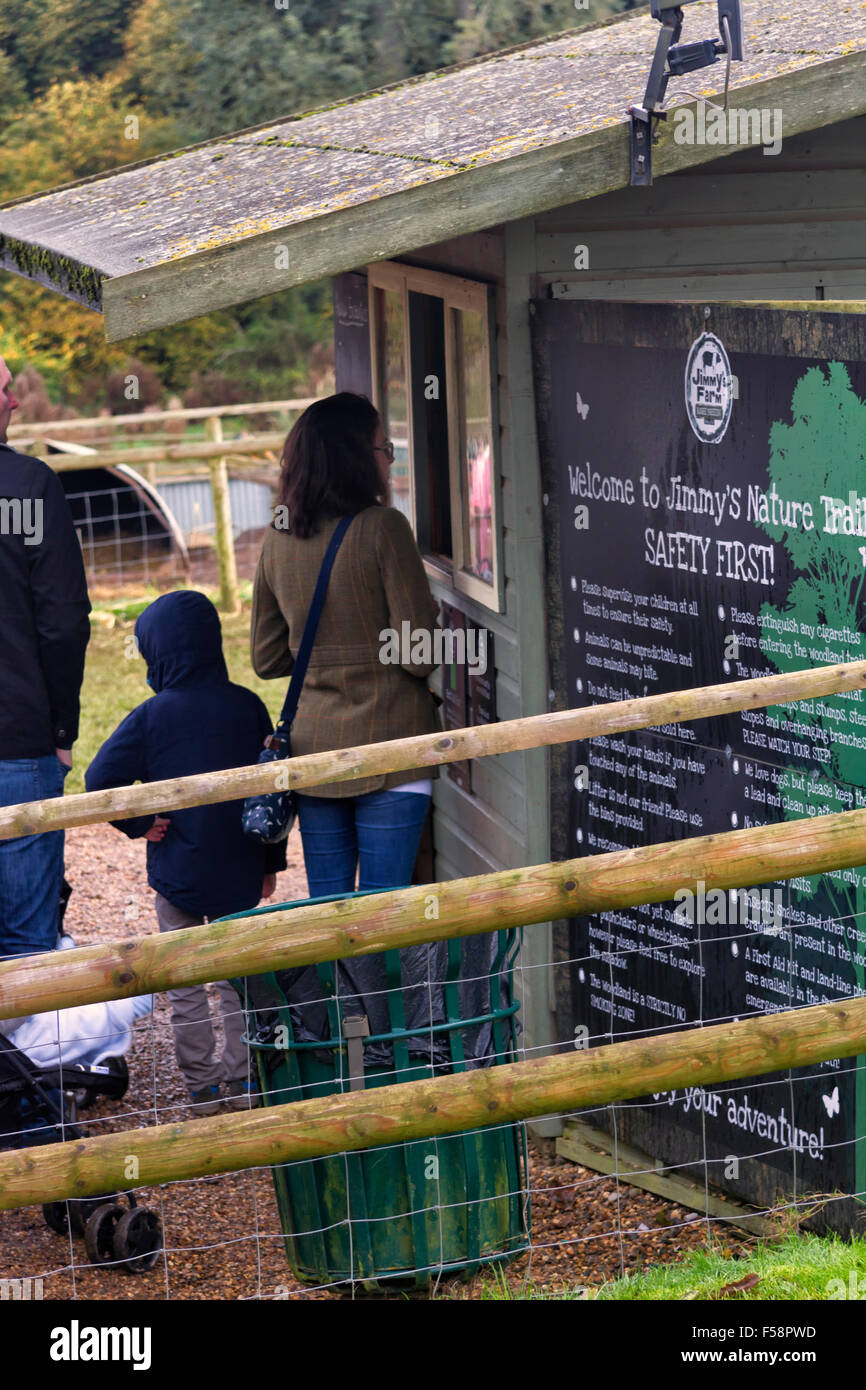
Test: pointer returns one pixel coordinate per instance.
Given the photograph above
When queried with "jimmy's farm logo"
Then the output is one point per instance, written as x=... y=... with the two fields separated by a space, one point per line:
x=709 y=389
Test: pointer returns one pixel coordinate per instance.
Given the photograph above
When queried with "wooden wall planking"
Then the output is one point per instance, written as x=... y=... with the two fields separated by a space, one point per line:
x=479 y=823
x=699 y=250
x=496 y=786
x=478 y=256
x=816 y=285
x=822 y=171
x=717 y=198
x=531 y=676
x=474 y=846
x=744 y=226
x=838 y=145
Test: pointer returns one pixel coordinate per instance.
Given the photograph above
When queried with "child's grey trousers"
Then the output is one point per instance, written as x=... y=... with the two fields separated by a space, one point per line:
x=194 y=1037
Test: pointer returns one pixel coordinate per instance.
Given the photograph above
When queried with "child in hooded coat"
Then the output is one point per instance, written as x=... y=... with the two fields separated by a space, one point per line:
x=199 y=862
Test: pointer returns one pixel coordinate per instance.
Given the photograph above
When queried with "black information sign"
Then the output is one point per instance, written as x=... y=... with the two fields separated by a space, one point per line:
x=705 y=491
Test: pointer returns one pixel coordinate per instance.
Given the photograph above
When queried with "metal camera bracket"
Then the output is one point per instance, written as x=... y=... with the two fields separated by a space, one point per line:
x=675 y=59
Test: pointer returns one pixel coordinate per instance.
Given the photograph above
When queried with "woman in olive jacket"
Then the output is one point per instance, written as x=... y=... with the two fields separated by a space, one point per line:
x=336 y=462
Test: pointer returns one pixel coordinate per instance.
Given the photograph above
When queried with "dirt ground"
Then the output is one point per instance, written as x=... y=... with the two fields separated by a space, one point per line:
x=222 y=1235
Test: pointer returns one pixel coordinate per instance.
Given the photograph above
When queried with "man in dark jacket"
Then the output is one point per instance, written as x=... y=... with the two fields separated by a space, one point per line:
x=199 y=862
x=44 y=630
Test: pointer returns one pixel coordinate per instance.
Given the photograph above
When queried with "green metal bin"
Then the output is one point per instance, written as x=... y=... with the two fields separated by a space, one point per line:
x=401 y=1215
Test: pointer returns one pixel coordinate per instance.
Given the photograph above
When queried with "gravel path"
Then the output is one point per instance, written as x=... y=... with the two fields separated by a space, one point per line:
x=222 y=1234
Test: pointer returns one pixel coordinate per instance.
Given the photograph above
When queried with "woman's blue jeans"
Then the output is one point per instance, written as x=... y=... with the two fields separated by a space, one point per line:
x=31 y=867
x=376 y=835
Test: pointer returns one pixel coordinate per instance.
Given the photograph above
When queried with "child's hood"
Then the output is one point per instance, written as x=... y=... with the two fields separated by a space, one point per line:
x=180 y=638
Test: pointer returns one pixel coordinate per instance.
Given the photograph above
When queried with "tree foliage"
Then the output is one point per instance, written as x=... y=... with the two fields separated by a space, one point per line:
x=43 y=44
x=72 y=73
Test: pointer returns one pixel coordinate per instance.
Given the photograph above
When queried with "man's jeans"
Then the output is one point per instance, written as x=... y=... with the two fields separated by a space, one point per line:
x=377 y=834
x=31 y=867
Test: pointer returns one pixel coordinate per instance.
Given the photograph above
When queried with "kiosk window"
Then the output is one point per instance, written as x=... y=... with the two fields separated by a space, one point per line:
x=474 y=442
x=432 y=385
x=391 y=374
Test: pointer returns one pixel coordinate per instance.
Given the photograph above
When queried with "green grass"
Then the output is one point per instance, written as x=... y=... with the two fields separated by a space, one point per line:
x=795 y=1267
x=497 y=1289
x=114 y=675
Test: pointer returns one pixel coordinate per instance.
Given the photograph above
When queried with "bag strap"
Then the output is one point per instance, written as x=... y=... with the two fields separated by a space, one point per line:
x=293 y=694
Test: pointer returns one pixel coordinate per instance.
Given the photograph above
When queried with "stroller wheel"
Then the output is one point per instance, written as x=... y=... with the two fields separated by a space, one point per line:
x=138 y=1240
x=56 y=1217
x=82 y=1208
x=99 y=1233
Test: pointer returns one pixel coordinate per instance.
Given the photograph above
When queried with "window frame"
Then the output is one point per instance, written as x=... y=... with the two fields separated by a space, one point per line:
x=474 y=296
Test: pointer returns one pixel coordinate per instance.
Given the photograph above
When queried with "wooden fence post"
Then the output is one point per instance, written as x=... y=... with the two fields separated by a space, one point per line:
x=223 y=536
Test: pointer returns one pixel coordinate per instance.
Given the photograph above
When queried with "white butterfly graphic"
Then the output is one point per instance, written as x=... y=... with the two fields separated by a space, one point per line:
x=831 y=1103
x=583 y=411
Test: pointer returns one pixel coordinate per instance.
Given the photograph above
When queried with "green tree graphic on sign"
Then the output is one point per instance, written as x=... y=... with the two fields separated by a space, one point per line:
x=820 y=458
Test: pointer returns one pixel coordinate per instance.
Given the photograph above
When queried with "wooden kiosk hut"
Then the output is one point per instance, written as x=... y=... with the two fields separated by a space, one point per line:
x=632 y=422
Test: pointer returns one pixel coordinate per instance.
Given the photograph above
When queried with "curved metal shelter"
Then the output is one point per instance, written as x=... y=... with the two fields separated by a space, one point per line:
x=125 y=527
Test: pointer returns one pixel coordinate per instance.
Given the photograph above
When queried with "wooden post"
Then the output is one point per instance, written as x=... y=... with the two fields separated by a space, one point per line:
x=430 y=912
x=429 y=750
x=223 y=535
x=427 y=1109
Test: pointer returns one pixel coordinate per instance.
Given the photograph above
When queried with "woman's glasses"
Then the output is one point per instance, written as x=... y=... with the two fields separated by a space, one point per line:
x=386 y=448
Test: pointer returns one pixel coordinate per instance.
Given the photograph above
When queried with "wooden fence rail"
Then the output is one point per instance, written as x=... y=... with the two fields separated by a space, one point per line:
x=429 y=1109
x=166 y=453
x=431 y=912
x=195 y=412
x=428 y=750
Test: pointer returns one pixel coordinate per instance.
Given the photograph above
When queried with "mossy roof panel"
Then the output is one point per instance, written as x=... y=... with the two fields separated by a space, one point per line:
x=505 y=114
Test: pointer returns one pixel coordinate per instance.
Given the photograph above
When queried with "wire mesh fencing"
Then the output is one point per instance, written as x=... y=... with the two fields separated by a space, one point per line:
x=145 y=508
x=568 y=1206
x=133 y=536
x=126 y=537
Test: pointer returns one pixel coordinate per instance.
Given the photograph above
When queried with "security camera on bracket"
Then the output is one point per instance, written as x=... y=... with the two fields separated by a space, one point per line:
x=675 y=59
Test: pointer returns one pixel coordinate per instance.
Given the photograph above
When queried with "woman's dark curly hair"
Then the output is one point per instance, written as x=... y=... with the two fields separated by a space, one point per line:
x=329 y=465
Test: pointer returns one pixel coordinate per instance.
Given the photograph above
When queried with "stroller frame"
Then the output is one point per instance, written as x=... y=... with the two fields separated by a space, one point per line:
x=128 y=1239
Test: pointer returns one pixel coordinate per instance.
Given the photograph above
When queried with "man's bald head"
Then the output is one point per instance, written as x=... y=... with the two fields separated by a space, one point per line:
x=8 y=402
